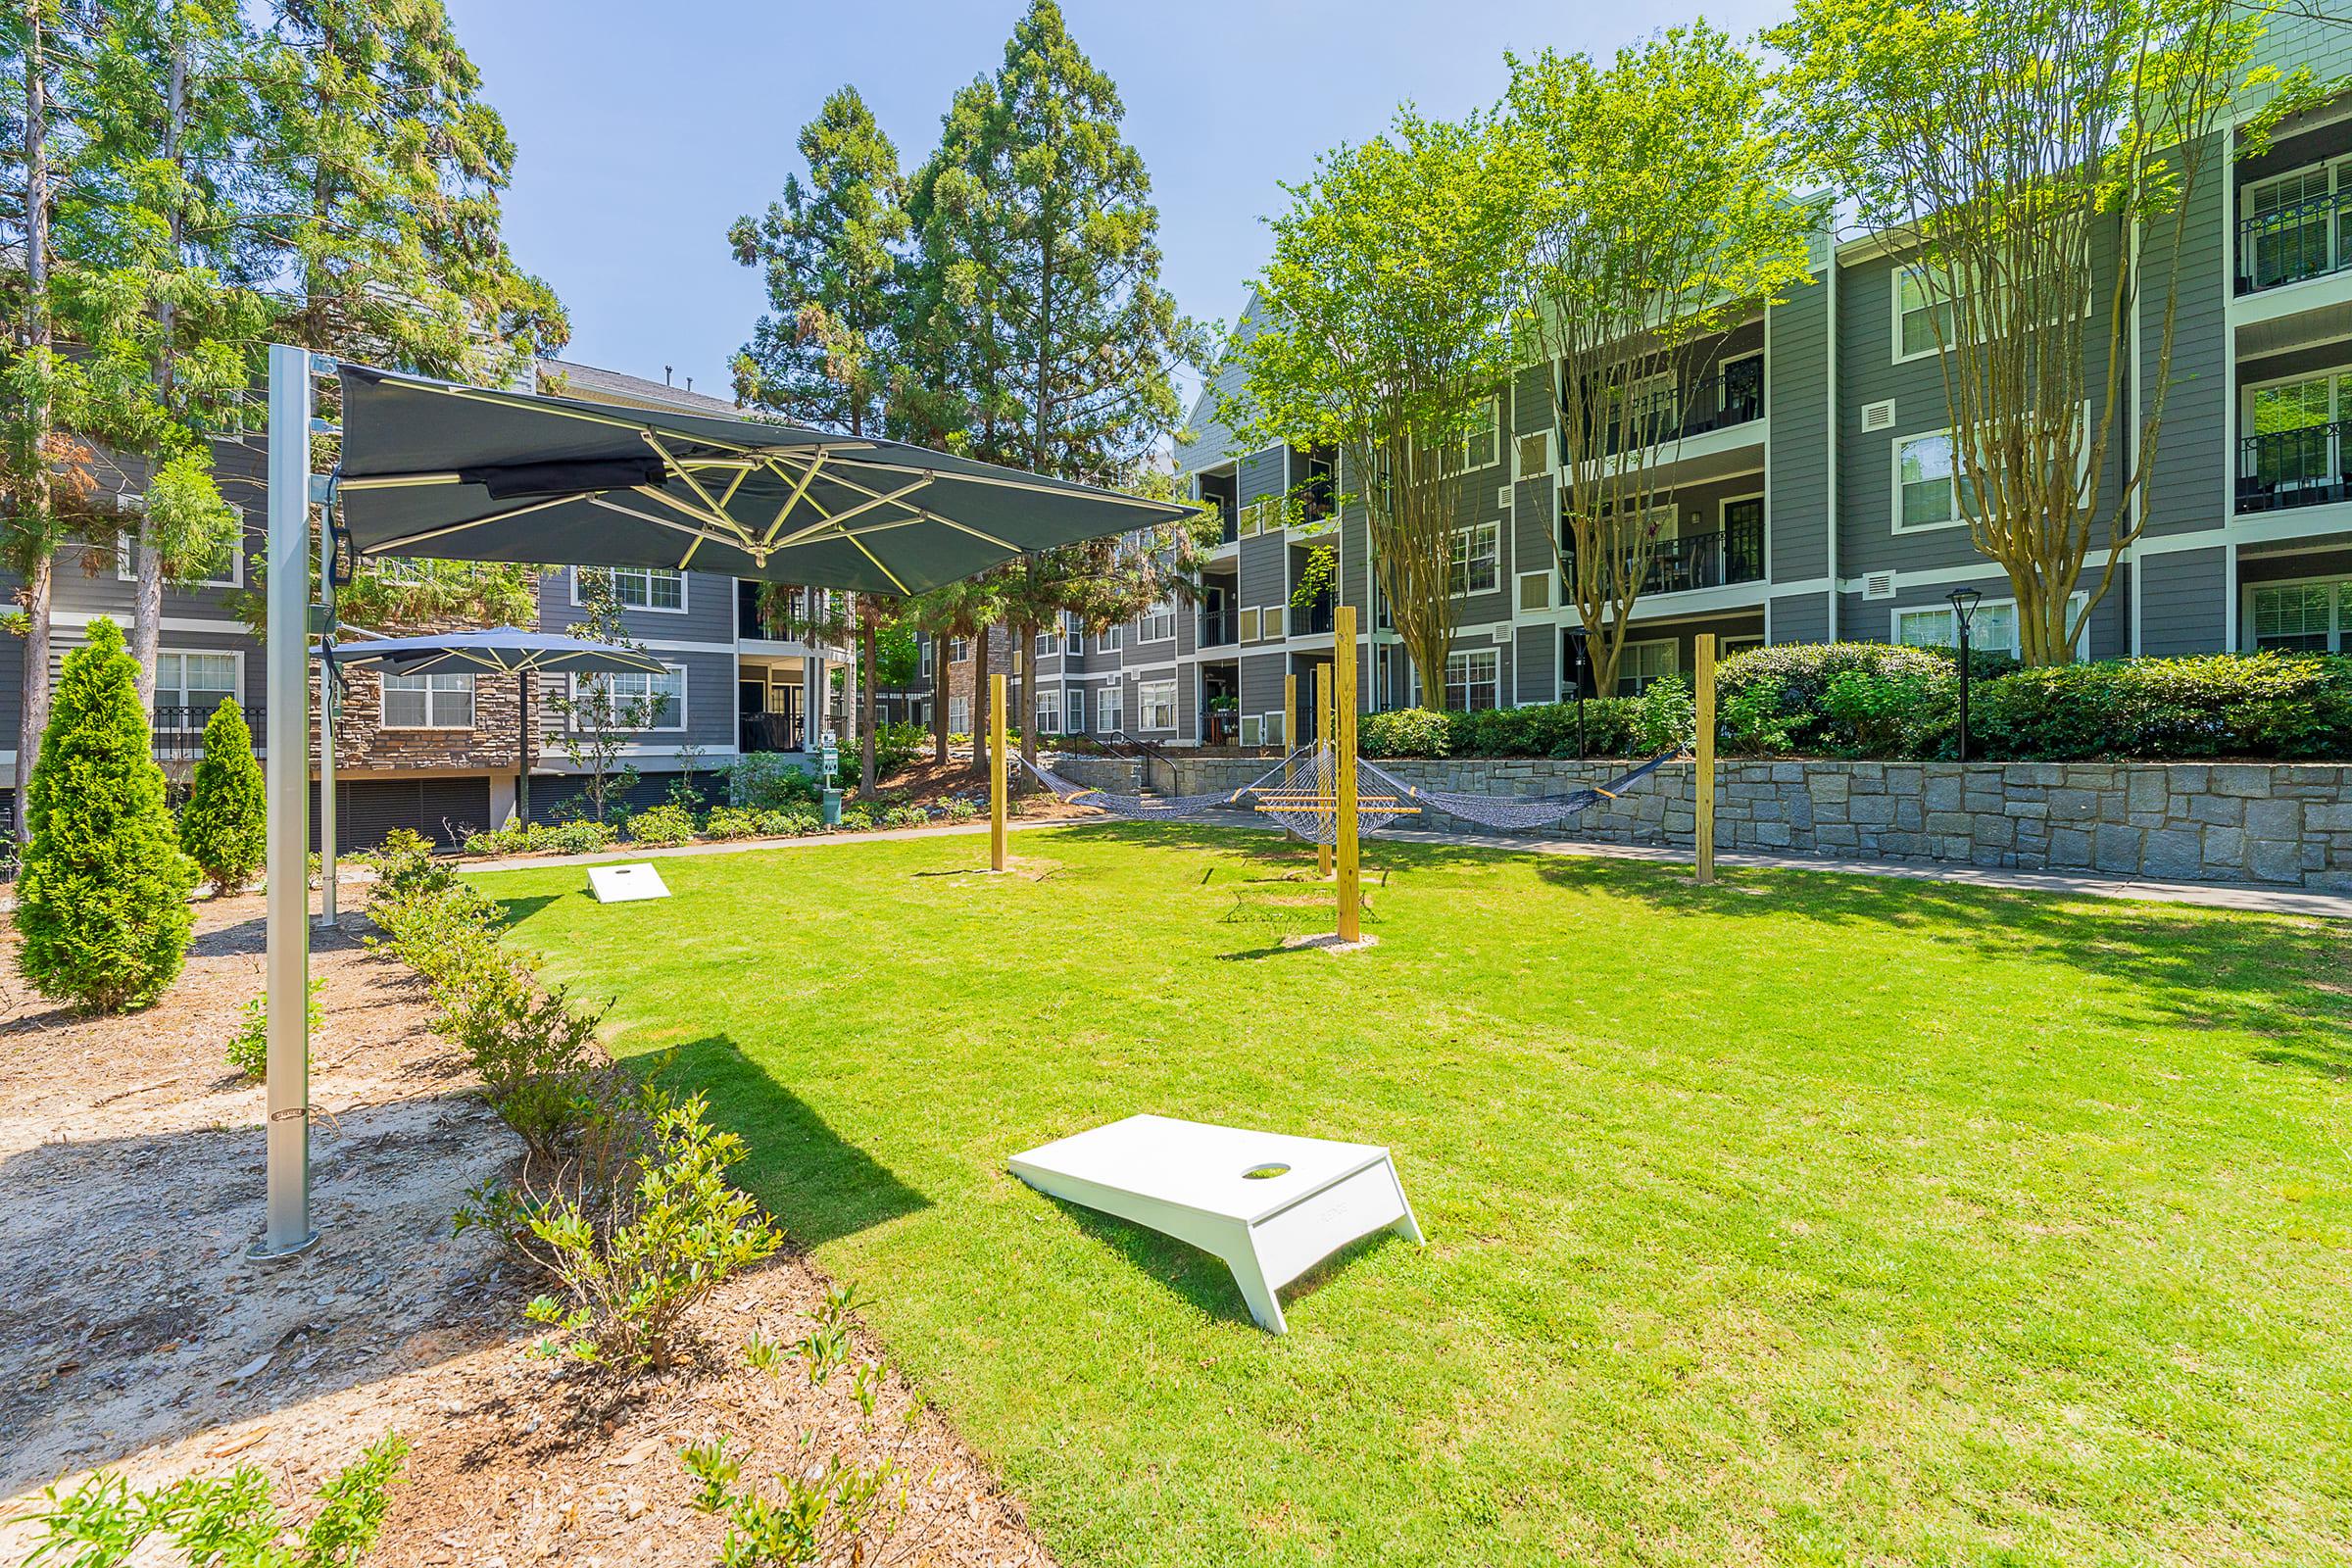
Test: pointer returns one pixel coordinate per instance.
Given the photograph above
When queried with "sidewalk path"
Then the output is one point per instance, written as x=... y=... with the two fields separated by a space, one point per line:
x=2206 y=895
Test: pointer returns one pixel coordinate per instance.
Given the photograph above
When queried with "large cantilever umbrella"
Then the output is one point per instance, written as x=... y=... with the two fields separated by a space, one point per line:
x=500 y=650
x=466 y=473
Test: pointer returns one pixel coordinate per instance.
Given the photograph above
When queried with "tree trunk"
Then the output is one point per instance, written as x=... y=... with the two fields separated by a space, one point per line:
x=980 y=697
x=147 y=593
x=1025 y=639
x=939 y=699
x=866 y=700
x=35 y=528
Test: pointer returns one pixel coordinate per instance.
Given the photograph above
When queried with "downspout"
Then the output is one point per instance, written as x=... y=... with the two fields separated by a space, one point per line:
x=1830 y=360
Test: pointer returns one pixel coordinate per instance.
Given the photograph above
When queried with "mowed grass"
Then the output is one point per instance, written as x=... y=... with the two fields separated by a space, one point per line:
x=1805 y=1219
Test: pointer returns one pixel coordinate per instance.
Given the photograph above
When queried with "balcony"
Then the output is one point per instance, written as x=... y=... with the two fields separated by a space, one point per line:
x=768 y=732
x=2305 y=239
x=1700 y=561
x=1219 y=627
x=178 y=732
x=1733 y=397
x=1314 y=618
x=793 y=622
x=2287 y=468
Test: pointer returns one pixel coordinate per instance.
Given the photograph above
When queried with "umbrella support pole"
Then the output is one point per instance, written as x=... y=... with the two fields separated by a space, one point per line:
x=327 y=838
x=522 y=748
x=287 y=1225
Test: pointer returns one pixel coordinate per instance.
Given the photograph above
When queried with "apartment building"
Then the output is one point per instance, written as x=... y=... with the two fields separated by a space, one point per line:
x=440 y=753
x=1808 y=488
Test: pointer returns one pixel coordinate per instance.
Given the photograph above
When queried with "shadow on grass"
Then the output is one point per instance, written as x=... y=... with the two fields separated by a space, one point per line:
x=2279 y=978
x=818 y=1184
x=1199 y=1278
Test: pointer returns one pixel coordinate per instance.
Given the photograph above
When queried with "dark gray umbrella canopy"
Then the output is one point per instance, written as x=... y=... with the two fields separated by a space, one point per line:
x=500 y=650
x=463 y=473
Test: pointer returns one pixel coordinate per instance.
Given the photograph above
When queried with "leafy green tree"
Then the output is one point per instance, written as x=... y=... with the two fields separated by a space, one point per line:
x=102 y=899
x=597 y=723
x=1660 y=216
x=1385 y=322
x=222 y=827
x=2016 y=153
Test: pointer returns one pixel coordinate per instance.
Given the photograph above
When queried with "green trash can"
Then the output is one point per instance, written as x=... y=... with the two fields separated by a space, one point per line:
x=832 y=808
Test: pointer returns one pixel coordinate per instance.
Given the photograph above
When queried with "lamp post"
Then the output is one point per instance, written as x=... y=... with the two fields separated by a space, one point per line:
x=1579 y=696
x=1964 y=610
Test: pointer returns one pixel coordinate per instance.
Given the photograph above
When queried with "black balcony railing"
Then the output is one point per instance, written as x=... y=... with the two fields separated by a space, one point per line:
x=2307 y=239
x=178 y=731
x=796 y=619
x=1313 y=618
x=1229 y=518
x=2285 y=469
x=1674 y=414
x=1219 y=627
x=770 y=732
x=1734 y=554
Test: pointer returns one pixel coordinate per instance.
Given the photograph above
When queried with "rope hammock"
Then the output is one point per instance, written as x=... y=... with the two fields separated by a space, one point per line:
x=1300 y=792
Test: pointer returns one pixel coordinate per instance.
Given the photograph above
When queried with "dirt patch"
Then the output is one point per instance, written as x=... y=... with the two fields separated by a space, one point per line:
x=931 y=784
x=135 y=1335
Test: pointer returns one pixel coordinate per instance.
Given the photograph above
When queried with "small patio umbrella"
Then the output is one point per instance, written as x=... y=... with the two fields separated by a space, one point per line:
x=500 y=650
x=466 y=473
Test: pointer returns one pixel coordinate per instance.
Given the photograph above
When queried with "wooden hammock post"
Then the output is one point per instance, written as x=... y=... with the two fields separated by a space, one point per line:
x=996 y=772
x=1323 y=738
x=1290 y=711
x=1703 y=830
x=1342 y=734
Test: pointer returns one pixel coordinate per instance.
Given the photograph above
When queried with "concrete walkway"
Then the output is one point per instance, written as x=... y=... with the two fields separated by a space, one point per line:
x=2205 y=895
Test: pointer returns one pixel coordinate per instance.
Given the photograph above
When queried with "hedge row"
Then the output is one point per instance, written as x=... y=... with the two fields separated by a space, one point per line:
x=1875 y=700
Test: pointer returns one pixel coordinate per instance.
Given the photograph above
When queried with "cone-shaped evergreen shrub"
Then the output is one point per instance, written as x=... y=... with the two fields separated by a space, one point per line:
x=102 y=901
x=221 y=827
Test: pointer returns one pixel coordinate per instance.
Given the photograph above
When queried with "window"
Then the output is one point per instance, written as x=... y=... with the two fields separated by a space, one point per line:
x=1048 y=639
x=667 y=690
x=960 y=714
x=2289 y=227
x=1106 y=710
x=1159 y=623
x=1473 y=679
x=2291 y=446
x=1107 y=641
x=1928 y=490
x=1482 y=446
x=1049 y=712
x=1156 y=705
x=1918 y=317
x=1477 y=559
x=2301 y=617
x=1643 y=662
x=1077 y=721
x=227 y=569
x=189 y=686
x=1534 y=454
x=640 y=587
x=959 y=649
x=1992 y=629
x=428 y=702
x=922 y=662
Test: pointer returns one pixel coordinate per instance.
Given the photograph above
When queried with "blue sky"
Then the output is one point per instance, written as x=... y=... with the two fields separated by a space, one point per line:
x=644 y=128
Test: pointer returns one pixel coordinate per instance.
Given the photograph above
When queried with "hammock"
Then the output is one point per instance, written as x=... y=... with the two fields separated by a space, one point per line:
x=1512 y=812
x=1304 y=799
x=1141 y=807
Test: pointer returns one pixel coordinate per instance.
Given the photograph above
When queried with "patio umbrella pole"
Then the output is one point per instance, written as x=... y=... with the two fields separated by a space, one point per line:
x=326 y=728
x=286 y=1226
x=522 y=748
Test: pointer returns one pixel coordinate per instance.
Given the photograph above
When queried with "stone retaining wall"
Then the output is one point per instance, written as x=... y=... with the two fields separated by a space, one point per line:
x=2276 y=824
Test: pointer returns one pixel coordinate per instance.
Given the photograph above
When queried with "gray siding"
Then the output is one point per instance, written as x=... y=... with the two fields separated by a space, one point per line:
x=1536 y=664
x=2183 y=601
x=1797 y=408
x=2189 y=471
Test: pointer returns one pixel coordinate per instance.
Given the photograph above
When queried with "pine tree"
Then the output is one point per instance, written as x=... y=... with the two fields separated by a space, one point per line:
x=222 y=826
x=102 y=899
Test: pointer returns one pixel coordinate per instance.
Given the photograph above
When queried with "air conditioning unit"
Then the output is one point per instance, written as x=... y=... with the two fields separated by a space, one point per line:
x=1878 y=416
x=1879 y=585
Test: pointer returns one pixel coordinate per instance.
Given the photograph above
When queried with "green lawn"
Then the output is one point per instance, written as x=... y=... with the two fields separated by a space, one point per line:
x=1806 y=1219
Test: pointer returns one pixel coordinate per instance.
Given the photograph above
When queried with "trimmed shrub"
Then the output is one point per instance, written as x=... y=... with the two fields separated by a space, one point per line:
x=405 y=863
x=222 y=828
x=2265 y=705
x=732 y=822
x=1406 y=732
x=663 y=825
x=767 y=782
x=102 y=901
x=1776 y=701
x=583 y=836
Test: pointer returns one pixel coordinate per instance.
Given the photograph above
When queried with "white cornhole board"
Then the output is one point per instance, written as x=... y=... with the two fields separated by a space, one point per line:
x=1187 y=1178
x=624 y=884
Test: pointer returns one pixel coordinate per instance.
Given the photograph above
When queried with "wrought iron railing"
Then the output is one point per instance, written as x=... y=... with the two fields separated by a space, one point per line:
x=1219 y=627
x=178 y=730
x=2283 y=468
x=1699 y=561
x=1674 y=414
x=2304 y=239
x=770 y=732
x=1313 y=618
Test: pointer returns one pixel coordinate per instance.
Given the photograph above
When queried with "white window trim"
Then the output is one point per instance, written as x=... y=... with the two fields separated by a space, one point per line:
x=1469 y=655
x=2336 y=170
x=1895 y=303
x=1894 y=622
x=1144 y=701
x=1075 y=720
x=1160 y=612
x=1492 y=431
x=1467 y=590
x=383 y=702
x=649 y=729
x=2341 y=614
x=685 y=589
x=1895 y=479
x=237 y=654
x=1670 y=644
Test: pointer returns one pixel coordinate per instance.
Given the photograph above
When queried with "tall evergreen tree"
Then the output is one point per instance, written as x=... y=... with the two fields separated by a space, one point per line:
x=223 y=827
x=102 y=899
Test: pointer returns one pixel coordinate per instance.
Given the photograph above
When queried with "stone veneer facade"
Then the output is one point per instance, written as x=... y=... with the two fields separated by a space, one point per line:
x=2274 y=824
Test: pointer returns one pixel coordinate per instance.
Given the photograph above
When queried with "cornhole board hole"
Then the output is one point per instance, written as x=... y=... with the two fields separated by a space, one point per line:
x=625 y=884
x=1268 y=1205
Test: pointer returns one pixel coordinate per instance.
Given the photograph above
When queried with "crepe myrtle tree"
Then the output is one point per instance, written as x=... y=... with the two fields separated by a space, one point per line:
x=2033 y=165
x=1386 y=324
x=597 y=723
x=1659 y=217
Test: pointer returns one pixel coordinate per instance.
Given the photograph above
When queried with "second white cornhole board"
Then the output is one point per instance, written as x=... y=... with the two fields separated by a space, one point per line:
x=625 y=884
x=1191 y=1180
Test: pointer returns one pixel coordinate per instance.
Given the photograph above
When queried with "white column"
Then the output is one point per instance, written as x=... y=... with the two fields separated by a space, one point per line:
x=286 y=1228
